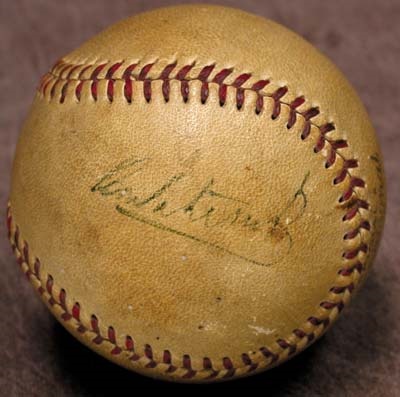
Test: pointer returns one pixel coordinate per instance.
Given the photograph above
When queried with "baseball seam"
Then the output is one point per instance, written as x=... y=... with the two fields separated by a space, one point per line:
x=68 y=74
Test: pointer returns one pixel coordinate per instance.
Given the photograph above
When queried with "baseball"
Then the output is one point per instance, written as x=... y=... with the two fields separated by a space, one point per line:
x=197 y=193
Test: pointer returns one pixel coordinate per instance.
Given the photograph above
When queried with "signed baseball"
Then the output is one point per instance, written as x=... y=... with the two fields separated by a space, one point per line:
x=197 y=193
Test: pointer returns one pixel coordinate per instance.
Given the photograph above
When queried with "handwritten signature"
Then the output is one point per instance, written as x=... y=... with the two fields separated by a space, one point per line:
x=208 y=207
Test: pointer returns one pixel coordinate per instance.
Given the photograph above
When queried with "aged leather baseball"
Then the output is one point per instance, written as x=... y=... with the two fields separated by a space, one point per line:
x=196 y=194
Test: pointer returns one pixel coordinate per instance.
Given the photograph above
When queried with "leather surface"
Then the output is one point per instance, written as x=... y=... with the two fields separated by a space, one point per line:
x=192 y=227
x=44 y=182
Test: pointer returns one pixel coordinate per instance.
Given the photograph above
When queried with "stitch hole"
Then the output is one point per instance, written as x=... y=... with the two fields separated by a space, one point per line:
x=319 y=145
x=94 y=323
x=185 y=90
x=350 y=214
x=110 y=90
x=93 y=90
x=129 y=343
x=167 y=358
x=53 y=89
x=78 y=91
x=341 y=177
x=259 y=104
x=350 y=254
x=351 y=234
x=292 y=119
x=186 y=362
x=276 y=111
x=64 y=92
x=331 y=158
x=46 y=85
x=147 y=90
x=25 y=251
x=49 y=284
x=166 y=90
x=37 y=267
x=222 y=94
x=227 y=363
x=239 y=98
x=207 y=364
x=346 y=195
x=299 y=333
x=62 y=296
x=306 y=131
x=111 y=335
x=365 y=225
x=16 y=236
x=148 y=352
x=204 y=92
x=246 y=359
x=128 y=90
x=76 y=309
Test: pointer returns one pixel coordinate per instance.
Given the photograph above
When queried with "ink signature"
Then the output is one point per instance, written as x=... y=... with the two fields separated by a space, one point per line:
x=208 y=207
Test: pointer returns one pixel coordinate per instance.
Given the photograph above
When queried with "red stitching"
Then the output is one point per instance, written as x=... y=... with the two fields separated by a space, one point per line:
x=165 y=77
x=76 y=310
x=64 y=69
x=349 y=270
x=248 y=362
x=276 y=96
x=229 y=369
x=331 y=158
x=350 y=198
x=112 y=70
x=310 y=113
x=315 y=321
x=268 y=354
x=239 y=81
x=187 y=364
x=286 y=345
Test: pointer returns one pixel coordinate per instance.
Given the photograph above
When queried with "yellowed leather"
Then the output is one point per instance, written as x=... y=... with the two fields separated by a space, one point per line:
x=214 y=287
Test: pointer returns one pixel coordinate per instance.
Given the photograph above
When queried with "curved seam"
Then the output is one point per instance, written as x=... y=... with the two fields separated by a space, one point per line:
x=350 y=198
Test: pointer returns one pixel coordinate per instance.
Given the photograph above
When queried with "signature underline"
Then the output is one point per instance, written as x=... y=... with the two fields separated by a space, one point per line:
x=134 y=215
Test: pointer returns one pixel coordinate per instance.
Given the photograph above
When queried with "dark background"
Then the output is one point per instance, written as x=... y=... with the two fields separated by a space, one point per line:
x=360 y=356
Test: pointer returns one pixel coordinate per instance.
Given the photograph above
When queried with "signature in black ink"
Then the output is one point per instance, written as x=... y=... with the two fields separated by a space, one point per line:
x=207 y=208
